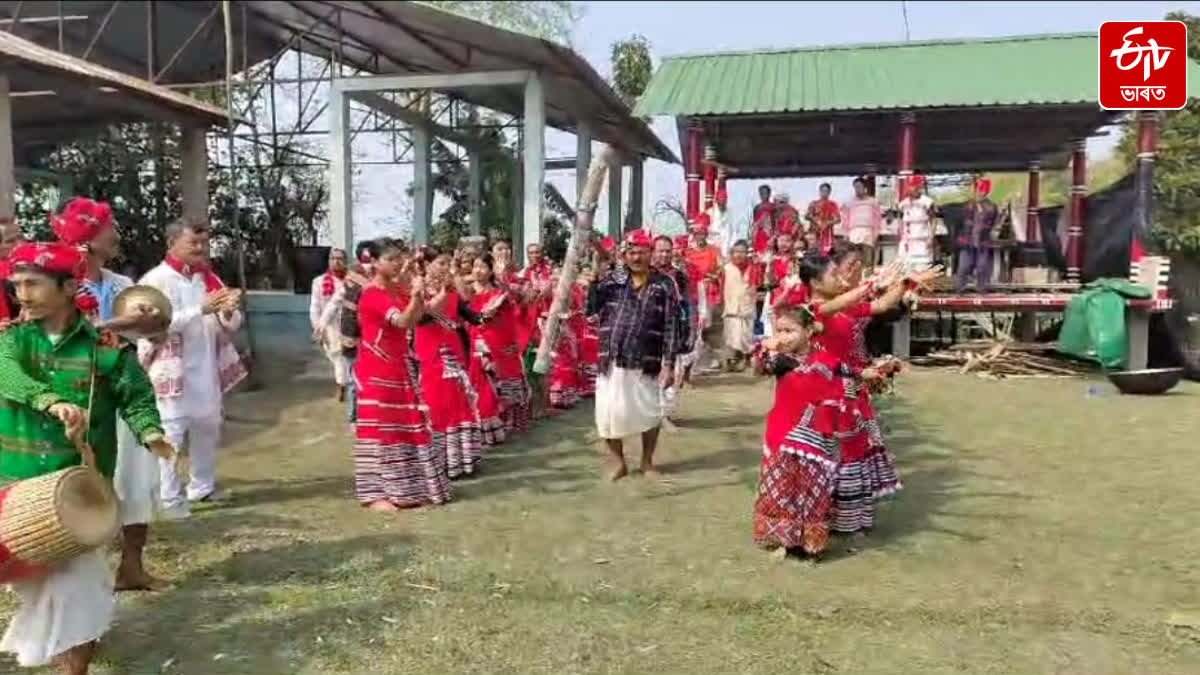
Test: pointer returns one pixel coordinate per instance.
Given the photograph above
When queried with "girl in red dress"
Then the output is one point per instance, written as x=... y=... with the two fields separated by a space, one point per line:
x=589 y=339
x=396 y=464
x=799 y=463
x=445 y=384
x=495 y=342
x=840 y=313
x=563 y=378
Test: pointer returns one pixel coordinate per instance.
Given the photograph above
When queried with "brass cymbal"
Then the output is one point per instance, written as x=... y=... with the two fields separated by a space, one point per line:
x=127 y=302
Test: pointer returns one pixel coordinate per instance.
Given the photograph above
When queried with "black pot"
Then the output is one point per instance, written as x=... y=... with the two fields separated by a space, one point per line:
x=308 y=262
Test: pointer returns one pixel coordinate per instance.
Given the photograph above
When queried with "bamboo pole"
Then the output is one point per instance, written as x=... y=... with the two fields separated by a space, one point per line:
x=585 y=213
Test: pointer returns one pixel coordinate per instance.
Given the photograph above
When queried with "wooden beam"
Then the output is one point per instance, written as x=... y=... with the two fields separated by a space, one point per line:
x=412 y=117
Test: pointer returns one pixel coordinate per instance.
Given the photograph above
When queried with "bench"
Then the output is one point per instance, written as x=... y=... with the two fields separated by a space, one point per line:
x=1153 y=272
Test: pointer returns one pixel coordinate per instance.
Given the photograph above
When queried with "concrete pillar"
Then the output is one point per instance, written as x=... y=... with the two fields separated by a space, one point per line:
x=614 y=201
x=637 y=186
x=517 y=201
x=422 y=184
x=1143 y=181
x=475 y=191
x=341 y=171
x=535 y=160
x=583 y=156
x=193 y=172
x=8 y=179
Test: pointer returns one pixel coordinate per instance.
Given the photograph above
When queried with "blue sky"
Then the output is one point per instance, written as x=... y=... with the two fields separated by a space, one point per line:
x=691 y=27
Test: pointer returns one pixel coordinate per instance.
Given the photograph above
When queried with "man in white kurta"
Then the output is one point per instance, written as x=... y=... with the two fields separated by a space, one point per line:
x=197 y=363
x=916 y=226
x=738 y=304
x=327 y=326
x=721 y=230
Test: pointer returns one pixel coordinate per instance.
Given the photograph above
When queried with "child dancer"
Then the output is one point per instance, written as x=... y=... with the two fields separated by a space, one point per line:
x=799 y=462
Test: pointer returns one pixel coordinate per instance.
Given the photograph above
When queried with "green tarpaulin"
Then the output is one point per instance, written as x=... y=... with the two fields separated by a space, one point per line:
x=1094 y=323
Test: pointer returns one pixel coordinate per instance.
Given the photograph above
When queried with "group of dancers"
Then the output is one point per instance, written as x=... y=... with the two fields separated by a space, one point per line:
x=435 y=351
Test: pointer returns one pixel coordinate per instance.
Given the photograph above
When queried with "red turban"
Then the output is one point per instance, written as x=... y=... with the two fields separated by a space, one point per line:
x=607 y=244
x=639 y=237
x=916 y=181
x=700 y=222
x=983 y=186
x=81 y=221
x=681 y=241
x=59 y=259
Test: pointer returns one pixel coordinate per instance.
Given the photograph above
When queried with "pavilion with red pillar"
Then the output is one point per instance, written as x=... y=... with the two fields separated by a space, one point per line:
x=953 y=107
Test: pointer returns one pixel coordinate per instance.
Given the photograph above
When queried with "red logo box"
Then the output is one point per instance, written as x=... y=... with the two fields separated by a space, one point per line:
x=1143 y=65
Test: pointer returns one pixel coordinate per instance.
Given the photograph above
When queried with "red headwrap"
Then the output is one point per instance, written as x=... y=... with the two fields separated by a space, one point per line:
x=681 y=241
x=983 y=186
x=58 y=259
x=81 y=221
x=639 y=237
x=916 y=181
x=608 y=244
x=699 y=223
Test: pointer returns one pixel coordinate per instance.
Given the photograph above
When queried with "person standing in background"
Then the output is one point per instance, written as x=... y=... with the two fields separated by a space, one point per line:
x=327 y=333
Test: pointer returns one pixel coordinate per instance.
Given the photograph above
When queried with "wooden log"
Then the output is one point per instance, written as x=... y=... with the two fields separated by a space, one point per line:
x=585 y=213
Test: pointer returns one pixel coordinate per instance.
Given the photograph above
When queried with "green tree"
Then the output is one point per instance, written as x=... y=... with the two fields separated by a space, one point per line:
x=1176 y=226
x=632 y=67
x=547 y=19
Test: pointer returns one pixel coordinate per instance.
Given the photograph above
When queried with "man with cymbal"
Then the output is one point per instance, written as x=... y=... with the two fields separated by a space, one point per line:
x=64 y=382
x=196 y=364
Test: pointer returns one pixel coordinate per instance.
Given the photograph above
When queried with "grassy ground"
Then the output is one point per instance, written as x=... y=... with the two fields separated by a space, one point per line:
x=1040 y=531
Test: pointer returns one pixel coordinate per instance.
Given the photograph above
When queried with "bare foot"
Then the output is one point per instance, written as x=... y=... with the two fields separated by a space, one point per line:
x=139 y=581
x=650 y=471
x=615 y=471
x=779 y=554
x=382 y=505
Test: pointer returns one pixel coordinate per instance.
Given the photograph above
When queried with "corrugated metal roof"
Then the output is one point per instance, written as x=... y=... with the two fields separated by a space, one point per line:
x=1021 y=70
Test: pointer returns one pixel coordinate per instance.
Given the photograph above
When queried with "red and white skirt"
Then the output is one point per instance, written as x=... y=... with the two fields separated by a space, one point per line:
x=866 y=471
x=394 y=455
x=453 y=413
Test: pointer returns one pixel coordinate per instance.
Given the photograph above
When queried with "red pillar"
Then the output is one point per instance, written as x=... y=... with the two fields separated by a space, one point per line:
x=710 y=176
x=908 y=152
x=1033 y=227
x=695 y=141
x=1143 y=210
x=1078 y=195
x=721 y=177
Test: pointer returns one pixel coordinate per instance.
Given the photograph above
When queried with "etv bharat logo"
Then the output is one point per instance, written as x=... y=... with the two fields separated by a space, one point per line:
x=1143 y=65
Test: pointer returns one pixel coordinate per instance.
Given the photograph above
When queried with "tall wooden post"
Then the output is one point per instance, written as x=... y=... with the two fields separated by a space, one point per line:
x=908 y=152
x=1143 y=209
x=1078 y=195
x=710 y=176
x=695 y=139
x=1033 y=227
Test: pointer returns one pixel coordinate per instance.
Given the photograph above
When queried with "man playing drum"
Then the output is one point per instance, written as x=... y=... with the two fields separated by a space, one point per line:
x=64 y=383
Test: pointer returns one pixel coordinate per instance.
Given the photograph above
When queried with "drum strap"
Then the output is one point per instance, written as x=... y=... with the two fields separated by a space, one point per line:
x=83 y=443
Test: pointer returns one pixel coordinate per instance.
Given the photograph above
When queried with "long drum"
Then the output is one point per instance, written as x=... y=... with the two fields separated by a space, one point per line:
x=47 y=520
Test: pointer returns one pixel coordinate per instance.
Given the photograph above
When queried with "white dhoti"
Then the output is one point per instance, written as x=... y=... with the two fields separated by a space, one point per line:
x=331 y=344
x=738 y=333
x=917 y=252
x=67 y=608
x=628 y=402
x=768 y=317
x=136 y=478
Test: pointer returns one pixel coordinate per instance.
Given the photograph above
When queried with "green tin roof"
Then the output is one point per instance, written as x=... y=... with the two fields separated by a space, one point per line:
x=1021 y=70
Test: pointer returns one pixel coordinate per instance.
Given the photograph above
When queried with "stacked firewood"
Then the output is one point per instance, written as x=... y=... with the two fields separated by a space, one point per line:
x=1003 y=359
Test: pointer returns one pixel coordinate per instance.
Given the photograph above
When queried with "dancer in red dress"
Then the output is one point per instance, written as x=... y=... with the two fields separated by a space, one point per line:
x=495 y=341
x=799 y=463
x=442 y=355
x=563 y=378
x=395 y=461
x=839 y=312
x=823 y=215
x=589 y=341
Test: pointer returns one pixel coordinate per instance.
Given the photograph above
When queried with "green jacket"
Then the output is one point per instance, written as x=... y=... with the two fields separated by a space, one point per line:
x=35 y=374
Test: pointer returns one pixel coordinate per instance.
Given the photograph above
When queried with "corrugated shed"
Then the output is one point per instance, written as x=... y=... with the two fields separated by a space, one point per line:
x=1023 y=70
